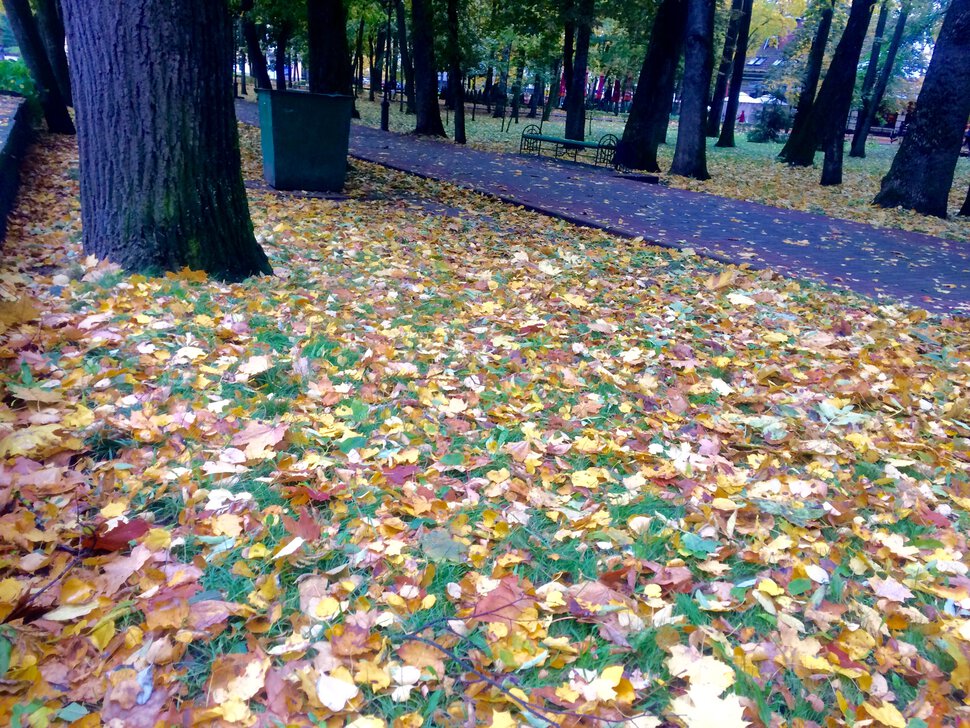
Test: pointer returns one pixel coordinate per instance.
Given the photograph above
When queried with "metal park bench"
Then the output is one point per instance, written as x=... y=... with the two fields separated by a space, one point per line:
x=533 y=140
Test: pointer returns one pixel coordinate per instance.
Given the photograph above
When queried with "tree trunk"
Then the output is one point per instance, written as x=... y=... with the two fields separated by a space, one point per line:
x=922 y=171
x=25 y=30
x=858 y=148
x=835 y=96
x=428 y=120
x=502 y=94
x=161 y=186
x=257 y=59
x=806 y=99
x=242 y=73
x=690 y=156
x=655 y=88
x=553 y=89
x=406 y=65
x=456 y=86
x=726 y=139
x=576 y=91
x=870 y=105
x=724 y=69
x=50 y=22
x=359 y=67
x=965 y=210
x=328 y=52
x=282 y=39
x=568 y=43
x=487 y=91
x=377 y=63
x=538 y=90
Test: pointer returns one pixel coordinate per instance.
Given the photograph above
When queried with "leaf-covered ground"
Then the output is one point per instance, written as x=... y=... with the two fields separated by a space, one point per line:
x=746 y=172
x=457 y=464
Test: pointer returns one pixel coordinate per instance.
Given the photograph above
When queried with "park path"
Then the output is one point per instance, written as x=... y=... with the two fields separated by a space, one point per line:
x=923 y=270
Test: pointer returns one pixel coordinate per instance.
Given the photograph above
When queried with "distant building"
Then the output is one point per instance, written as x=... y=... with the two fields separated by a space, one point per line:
x=761 y=63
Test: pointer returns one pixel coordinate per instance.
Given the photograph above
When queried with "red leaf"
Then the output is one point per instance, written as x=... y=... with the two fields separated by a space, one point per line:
x=119 y=536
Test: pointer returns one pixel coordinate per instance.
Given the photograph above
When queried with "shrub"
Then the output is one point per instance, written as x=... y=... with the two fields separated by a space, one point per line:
x=15 y=78
x=774 y=118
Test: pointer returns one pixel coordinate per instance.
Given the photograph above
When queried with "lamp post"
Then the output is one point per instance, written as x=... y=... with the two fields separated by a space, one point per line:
x=386 y=100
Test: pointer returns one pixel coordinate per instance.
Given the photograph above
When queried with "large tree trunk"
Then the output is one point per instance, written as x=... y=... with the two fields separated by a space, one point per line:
x=282 y=39
x=456 y=85
x=690 y=156
x=724 y=69
x=813 y=72
x=835 y=96
x=406 y=65
x=328 y=52
x=428 y=120
x=726 y=138
x=576 y=91
x=655 y=87
x=922 y=171
x=24 y=28
x=50 y=22
x=161 y=186
x=868 y=82
x=870 y=105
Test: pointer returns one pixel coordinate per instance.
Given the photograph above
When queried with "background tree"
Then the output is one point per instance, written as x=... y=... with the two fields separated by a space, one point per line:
x=161 y=183
x=690 y=156
x=922 y=170
x=813 y=72
x=328 y=51
x=257 y=58
x=871 y=102
x=581 y=16
x=456 y=76
x=50 y=23
x=724 y=69
x=726 y=138
x=25 y=30
x=428 y=120
x=826 y=122
x=869 y=80
x=402 y=43
x=647 y=121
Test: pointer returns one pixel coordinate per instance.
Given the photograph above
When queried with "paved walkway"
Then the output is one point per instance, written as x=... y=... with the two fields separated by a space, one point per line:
x=923 y=270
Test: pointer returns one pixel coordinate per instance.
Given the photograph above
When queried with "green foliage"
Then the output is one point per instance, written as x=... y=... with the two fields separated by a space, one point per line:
x=775 y=118
x=15 y=78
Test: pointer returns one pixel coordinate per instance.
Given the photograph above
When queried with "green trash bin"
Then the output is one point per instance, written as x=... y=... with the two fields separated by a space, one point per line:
x=305 y=139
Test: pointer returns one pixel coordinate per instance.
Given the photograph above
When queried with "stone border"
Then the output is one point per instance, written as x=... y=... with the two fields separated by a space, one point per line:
x=15 y=136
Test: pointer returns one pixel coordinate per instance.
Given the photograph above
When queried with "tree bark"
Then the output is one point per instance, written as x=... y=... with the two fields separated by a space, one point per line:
x=161 y=186
x=813 y=72
x=25 y=30
x=328 y=52
x=870 y=105
x=655 y=87
x=724 y=69
x=50 y=22
x=922 y=171
x=456 y=86
x=868 y=81
x=576 y=91
x=690 y=156
x=406 y=65
x=726 y=138
x=428 y=120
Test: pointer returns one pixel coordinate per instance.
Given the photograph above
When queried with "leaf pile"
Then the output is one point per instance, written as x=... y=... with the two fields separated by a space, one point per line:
x=459 y=464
